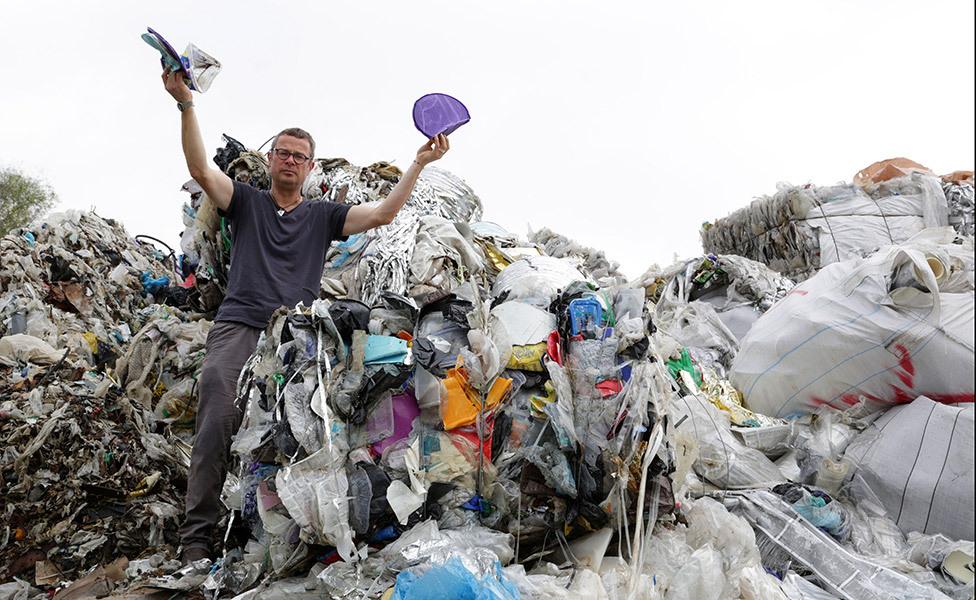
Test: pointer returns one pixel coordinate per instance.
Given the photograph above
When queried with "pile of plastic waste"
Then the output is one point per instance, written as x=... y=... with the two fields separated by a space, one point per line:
x=87 y=473
x=470 y=413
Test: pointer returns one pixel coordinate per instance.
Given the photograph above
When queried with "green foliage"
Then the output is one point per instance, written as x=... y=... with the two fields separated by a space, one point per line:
x=22 y=199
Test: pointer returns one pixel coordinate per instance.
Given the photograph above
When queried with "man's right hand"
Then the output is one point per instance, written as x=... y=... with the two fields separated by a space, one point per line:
x=175 y=84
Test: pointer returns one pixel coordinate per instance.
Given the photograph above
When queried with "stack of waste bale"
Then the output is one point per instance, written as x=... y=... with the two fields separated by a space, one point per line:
x=801 y=229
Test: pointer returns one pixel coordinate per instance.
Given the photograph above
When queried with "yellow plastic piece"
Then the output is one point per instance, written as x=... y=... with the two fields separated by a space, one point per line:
x=539 y=403
x=528 y=358
x=92 y=340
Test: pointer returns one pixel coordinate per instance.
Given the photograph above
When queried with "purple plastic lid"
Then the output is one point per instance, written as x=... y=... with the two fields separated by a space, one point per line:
x=439 y=113
x=177 y=59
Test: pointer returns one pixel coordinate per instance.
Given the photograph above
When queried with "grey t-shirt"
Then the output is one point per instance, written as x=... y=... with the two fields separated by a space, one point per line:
x=276 y=259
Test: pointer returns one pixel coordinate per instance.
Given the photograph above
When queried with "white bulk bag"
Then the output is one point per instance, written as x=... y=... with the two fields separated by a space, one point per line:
x=867 y=327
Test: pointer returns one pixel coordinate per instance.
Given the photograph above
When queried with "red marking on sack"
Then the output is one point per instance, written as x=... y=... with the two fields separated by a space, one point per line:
x=902 y=396
x=907 y=369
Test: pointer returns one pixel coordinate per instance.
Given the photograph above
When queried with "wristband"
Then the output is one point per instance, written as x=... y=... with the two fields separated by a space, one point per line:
x=184 y=105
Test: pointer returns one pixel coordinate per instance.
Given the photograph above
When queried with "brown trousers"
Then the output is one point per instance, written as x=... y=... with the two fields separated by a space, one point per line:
x=229 y=345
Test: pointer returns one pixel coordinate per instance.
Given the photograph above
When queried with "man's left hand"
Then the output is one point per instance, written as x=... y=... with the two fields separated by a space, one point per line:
x=435 y=148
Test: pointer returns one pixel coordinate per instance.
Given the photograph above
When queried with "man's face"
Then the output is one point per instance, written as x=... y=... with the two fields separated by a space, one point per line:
x=287 y=172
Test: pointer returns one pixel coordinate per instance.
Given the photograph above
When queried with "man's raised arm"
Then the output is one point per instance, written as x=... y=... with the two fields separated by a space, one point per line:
x=218 y=186
x=367 y=216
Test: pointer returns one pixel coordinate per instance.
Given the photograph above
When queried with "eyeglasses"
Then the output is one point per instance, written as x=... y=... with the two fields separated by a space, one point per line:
x=283 y=155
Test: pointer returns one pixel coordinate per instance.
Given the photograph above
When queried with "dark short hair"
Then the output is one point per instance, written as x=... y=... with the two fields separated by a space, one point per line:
x=296 y=132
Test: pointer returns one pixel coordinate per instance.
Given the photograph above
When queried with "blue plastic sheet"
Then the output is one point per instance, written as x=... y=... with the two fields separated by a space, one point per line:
x=453 y=580
x=347 y=249
x=152 y=285
x=383 y=349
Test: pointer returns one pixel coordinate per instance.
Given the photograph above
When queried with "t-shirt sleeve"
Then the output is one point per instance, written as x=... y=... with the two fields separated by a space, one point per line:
x=335 y=219
x=243 y=193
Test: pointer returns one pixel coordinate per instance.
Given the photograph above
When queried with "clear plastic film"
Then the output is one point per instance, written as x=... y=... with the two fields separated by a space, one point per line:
x=838 y=570
x=722 y=459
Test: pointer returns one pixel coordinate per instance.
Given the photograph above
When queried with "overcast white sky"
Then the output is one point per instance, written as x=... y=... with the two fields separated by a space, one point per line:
x=624 y=125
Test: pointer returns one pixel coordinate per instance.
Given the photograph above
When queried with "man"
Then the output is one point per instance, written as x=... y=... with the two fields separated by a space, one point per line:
x=280 y=241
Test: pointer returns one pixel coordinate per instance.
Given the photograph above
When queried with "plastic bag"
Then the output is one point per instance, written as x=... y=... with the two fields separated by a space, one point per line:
x=536 y=280
x=711 y=524
x=723 y=459
x=202 y=67
x=701 y=577
x=315 y=492
x=25 y=348
x=845 y=333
